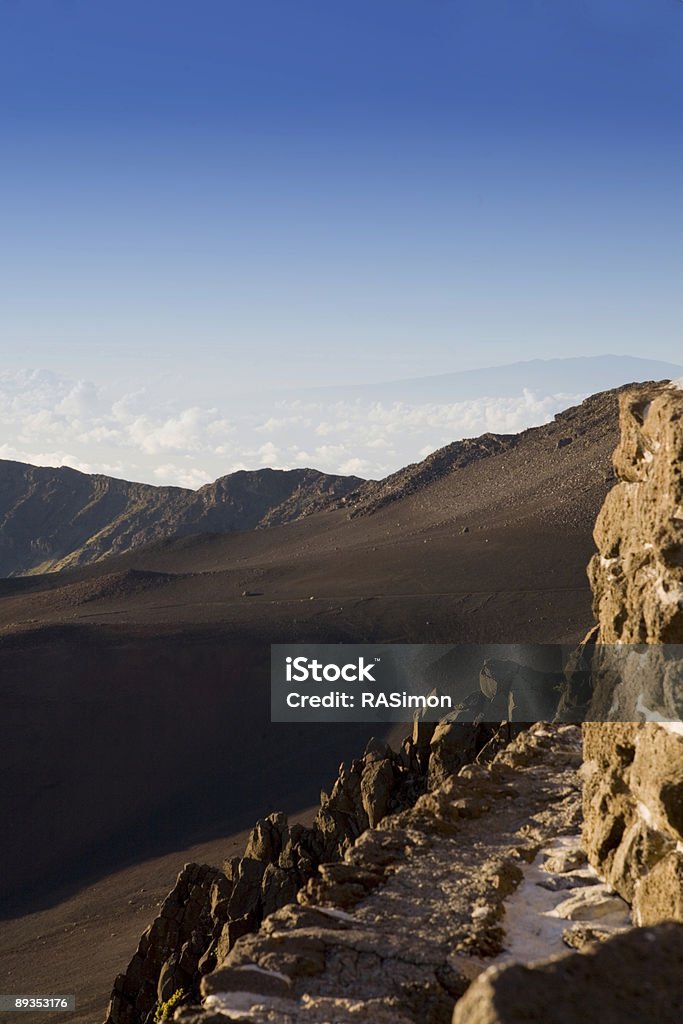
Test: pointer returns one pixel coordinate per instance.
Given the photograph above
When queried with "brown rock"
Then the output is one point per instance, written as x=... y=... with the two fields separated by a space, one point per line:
x=591 y=904
x=302 y=955
x=608 y=805
x=629 y=979
x=246 y=978
x=583 y=937
x=657 y=778
x=246 y=892
x=453 y=745
x=638 y=571
x=266 y=839
x=377 y=784
x=640 y=849
x=565 y=860
x=659 y=894
x=376 y=750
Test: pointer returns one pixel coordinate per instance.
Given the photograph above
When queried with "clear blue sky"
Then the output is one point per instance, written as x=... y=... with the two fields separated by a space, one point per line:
x=306 y=191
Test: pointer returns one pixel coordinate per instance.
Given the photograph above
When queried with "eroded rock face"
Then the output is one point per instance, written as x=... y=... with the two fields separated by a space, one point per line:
x=454 y=744
x=170 y=950
x=637 y=575
x=633 y=847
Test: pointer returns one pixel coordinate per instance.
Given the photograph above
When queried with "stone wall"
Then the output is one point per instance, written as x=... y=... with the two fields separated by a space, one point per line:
x=633 y=748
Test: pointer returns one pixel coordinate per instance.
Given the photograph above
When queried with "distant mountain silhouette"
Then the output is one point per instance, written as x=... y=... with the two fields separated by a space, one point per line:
x=584 y=375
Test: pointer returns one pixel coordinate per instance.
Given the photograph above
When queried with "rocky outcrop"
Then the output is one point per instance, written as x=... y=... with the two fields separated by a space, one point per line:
x=208 y=911
x=630 y=665
x=627 y=680
x=170 y=950
x=630 y=979
x=53 y=519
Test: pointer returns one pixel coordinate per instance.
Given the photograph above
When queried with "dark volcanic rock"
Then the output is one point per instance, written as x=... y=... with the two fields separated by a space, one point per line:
x=168 y=954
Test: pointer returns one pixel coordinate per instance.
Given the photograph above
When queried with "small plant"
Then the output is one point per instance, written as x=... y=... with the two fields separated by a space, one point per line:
x=164 y=1011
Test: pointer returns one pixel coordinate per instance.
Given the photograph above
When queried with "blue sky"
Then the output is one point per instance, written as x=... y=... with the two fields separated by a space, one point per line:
x=207 y=197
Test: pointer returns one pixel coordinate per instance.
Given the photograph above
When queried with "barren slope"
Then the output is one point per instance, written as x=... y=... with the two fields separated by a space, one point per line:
x=55 y=518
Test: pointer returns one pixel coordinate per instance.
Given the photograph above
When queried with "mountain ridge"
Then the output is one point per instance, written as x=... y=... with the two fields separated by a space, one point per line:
x=57 y=518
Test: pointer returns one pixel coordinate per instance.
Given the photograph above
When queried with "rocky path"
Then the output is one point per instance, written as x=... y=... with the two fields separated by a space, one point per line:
x=397 y=931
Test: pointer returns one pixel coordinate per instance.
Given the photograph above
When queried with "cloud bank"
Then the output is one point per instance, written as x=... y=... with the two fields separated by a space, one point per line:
x=50 y=420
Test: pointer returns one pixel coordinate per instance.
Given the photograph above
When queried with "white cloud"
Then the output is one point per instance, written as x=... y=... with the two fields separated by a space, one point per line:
x=141 y=435
x=268 y=453
x=82 y=399
x=46 y=458
x=355 y=467
x=182 y=433
x=180 y=476
x=131 y=404
x=280 y=422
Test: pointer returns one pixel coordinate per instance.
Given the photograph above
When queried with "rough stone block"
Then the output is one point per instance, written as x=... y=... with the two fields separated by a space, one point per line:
x=629 y=979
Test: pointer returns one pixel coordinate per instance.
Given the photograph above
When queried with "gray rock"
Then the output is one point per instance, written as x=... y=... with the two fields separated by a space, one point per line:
x=591 y=904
